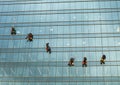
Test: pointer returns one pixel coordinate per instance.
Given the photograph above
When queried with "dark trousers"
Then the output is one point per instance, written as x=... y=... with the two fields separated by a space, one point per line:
x=84 y=65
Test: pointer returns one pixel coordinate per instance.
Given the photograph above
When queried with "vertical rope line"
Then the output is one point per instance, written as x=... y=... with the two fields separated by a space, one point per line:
x=99 y=20
x=83 y=42
x=48 y=61
x=46 y=31
x=101 y=35
x=26 y=66
x=39 y=45
x=43 y=56
x=2 y=41
x=76 y=41
x=70 y=29
x=57 y=44
x=72 y=18
x=27 y=53
x=95 y=54
x=12 y=45
x=63 y=54
x=32 y=31
x=50 y=39
x=15 y=41
x=12 y=41
x=2 y=28
x=114 y=40
x=49 y=29
x=88 y=44
x=69 y=40
x=26 y=58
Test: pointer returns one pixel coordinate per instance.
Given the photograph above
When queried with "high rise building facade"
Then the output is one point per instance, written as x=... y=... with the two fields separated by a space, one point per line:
x=73 y=29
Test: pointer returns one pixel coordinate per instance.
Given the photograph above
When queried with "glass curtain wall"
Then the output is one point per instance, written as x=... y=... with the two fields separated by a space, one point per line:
x=73 y=28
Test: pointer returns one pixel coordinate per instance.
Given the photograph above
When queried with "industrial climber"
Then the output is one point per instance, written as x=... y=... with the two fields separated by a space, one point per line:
x=48 y=48
x=102 y=61
x=71 y=62
x=13 y=31
x=84 y=62
x=29 y=37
